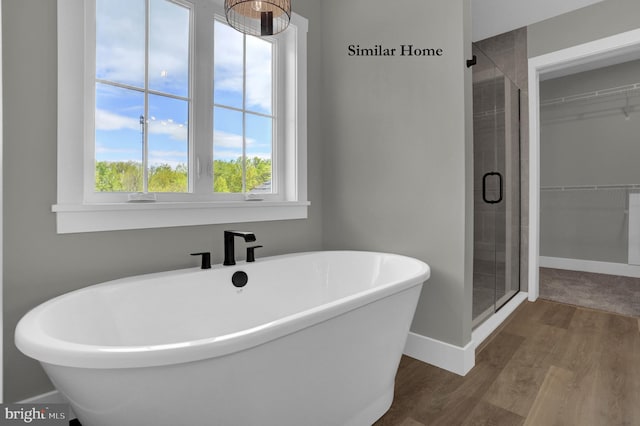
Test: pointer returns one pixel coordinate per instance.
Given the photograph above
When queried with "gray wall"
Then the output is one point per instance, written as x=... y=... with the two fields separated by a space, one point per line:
x=593 y=22
x=398 y=158
x=40 y=264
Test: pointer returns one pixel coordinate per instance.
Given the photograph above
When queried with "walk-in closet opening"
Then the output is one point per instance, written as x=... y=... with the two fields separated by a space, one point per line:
x=590 y=188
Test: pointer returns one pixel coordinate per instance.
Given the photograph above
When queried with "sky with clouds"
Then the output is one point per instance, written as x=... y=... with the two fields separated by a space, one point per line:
x=120 y=58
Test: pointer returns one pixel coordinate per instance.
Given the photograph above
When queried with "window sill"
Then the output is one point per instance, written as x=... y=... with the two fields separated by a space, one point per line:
x=112 y=217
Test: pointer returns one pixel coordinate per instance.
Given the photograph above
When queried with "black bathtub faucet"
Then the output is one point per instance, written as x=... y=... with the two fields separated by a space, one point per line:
x=229 y=248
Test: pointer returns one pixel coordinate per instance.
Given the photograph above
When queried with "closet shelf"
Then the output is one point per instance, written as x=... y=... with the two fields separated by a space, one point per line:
x=590 y=187
x=628 y=89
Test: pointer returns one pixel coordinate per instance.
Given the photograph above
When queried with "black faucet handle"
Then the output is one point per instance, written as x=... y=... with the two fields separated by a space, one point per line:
x=251 y=255
x=206 y=259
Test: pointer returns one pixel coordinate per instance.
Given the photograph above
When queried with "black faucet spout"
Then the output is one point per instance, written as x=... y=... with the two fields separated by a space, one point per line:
x=229 y=247
x=249 y=238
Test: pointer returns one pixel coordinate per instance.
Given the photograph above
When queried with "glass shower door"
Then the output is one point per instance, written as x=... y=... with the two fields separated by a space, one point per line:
x=496 y=188
x=508 y=210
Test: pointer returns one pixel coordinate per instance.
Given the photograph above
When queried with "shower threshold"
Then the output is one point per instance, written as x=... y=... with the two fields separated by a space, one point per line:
x=484 y=330
x=489 y=312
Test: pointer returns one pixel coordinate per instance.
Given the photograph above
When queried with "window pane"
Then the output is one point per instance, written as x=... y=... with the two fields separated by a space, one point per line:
x=259 y=131
x=227 y=150
x=119 y=139
x=168 y=139
x=120 y=41
x=169 y=48
x=259 y=75
x=227 y=66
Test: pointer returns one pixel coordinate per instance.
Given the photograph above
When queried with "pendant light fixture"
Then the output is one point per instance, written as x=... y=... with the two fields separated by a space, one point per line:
x=259 y=18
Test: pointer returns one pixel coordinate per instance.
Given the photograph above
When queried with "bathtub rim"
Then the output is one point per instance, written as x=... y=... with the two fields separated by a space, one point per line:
x=34 y=342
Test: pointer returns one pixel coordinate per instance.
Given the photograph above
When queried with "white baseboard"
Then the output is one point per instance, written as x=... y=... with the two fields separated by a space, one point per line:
x=456 y=359
x=608 y=268
x=53 y=397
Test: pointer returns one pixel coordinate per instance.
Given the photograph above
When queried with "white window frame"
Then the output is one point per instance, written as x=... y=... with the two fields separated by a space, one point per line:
x=78 y=210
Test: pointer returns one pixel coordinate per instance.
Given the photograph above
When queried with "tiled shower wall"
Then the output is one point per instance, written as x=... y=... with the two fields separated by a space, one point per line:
x=509 y=52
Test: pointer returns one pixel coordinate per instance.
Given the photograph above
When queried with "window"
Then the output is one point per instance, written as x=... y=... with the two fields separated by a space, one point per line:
x=142 y=96
x=161 y=101
x=243 y=112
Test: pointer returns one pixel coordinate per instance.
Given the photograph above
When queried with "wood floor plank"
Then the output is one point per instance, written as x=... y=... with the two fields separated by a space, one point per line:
x=589 y=320
x=411 y=422
x=446 y=412
x=604 y=354
x=559 y=315
x=634 y=377
x=551 y=365
x=579 y=353
x=516 y=387
x=451 y=404
x=617 y=379
x=502 y=349
x=488 y=414
x=527 y=319
x=414 y=379
x=580 y=349
x=583 y=405
x=552 y=398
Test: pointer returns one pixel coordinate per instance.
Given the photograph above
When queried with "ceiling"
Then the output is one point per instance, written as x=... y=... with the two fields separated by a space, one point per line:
x=493 y=17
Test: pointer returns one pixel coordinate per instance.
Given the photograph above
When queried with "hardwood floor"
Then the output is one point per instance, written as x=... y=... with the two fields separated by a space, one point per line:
x=552 y=364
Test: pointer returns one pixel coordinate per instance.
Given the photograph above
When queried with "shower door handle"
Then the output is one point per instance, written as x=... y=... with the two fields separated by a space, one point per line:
x=484 y=187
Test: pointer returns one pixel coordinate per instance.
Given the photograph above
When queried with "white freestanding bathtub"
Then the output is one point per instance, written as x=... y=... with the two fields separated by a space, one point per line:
x=312 y=339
